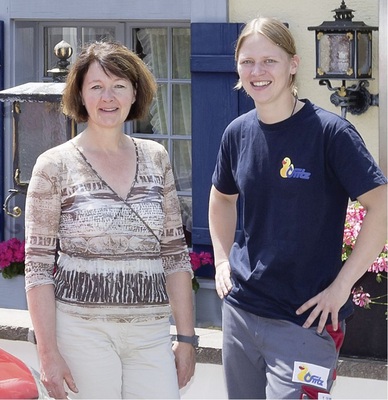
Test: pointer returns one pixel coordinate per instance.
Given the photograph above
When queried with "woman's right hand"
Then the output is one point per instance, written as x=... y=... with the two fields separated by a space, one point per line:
x=53 y=373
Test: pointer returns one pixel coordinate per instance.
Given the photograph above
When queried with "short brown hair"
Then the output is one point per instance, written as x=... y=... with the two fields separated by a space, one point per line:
x=115 y=59
x=274 y=30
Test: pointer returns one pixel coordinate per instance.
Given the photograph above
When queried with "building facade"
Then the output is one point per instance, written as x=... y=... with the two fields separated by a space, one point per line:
x=188 y=45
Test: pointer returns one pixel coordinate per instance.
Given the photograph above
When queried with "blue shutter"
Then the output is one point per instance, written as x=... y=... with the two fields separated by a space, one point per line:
x=214 y=105
x=2 y=129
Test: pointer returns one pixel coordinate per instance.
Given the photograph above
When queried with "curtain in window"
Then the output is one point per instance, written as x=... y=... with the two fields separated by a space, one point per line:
x=171 y=111
x=155 y=48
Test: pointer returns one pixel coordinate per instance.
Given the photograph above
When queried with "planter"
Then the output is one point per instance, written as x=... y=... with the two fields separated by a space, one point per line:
x=12 y=293
x=208 y=305
x=366 y=329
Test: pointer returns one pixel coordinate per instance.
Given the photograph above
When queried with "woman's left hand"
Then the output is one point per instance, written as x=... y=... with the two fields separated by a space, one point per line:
x=327 y=303
x=184 y=361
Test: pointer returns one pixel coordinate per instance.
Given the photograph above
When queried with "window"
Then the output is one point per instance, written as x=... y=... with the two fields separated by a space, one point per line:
x=76 y=37
x=166 y=50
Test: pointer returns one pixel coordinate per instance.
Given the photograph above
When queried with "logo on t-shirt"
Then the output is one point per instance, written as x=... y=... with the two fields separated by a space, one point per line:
x=289 y=171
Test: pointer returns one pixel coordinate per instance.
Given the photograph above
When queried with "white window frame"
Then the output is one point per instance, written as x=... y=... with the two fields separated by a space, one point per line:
x=169 y=137
x=119 y=35
x=124 y=34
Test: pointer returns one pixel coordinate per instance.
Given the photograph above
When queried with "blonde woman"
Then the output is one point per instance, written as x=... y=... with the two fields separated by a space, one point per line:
x=293 y=167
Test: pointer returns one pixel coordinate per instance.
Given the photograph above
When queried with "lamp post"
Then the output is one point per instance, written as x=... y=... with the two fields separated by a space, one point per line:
x=63 y=51
x=343 y=50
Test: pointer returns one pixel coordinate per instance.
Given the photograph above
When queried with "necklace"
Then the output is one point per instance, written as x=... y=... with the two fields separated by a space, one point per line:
x=293 y=110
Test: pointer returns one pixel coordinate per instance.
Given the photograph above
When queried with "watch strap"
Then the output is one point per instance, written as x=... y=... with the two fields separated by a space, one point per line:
x=193 y=340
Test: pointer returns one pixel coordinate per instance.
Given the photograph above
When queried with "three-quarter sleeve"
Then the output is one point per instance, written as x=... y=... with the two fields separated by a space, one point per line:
x=43 y=208
x=173 y=244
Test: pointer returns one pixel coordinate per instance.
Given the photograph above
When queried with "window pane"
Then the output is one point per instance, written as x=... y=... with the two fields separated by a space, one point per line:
x=181 y=164
x=152 y=46
x=181 y=50
x=143 y=126
x=181 y=105
x=187 y=215
x=166 y=51
x=53 y=35
x=158 y=119
x=91 y=34
x=164 y=142
x=25 y=68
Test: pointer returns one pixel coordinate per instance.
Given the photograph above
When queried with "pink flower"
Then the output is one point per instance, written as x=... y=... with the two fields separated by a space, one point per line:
x=354 y=217
x=361 y=298
x=197 y=260
x=379 y=265
x=206 y=258
x=11 y=251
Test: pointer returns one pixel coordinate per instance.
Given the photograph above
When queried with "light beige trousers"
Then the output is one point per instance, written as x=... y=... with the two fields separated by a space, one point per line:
x=118 y=360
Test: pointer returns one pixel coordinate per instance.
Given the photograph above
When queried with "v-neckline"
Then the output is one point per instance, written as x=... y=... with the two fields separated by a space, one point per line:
x=103 y=180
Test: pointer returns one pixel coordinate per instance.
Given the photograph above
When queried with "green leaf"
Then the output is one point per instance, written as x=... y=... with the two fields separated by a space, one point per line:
x=195 y=284
x=16 y=268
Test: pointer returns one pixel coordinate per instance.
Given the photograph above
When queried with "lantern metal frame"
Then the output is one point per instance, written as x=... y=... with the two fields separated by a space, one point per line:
x=343 y=50
x=45 y=98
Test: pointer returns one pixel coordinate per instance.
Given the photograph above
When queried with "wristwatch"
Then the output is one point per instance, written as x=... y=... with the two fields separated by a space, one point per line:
x=193 y=340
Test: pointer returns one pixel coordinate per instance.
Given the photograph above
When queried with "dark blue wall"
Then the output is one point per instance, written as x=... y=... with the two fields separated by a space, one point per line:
x=213 y=107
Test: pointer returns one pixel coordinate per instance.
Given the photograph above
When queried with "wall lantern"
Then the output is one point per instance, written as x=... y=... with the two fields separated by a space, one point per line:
x=38 y=124
x=344 y=52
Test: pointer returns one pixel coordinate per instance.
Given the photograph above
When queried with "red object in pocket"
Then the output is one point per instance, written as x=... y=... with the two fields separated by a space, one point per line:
x=310 y=392
x=338 y=335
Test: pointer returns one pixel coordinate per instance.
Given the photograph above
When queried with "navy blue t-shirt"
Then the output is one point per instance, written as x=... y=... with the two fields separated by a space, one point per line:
x=294 y=179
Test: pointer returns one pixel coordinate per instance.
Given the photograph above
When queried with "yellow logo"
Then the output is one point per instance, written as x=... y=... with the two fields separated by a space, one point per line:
x=289 y=171
x=287 y=168
x=305 y=376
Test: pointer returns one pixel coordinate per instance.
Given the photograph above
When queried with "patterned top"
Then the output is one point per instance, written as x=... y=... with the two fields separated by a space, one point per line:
x=113 y=253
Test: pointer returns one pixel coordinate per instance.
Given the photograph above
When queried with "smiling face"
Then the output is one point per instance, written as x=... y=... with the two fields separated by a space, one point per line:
x=265 y=70
x=107 y=98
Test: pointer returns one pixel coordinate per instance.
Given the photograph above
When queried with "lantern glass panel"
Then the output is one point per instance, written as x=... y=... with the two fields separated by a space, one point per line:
x=364 y=55
x=38 y=127
x=335 y=54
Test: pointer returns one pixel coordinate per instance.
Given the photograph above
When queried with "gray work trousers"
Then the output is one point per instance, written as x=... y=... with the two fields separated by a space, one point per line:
x=276 y=359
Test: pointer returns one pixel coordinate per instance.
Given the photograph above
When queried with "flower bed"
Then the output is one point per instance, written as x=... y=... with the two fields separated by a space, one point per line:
x=366 y=331
x=12 y=258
